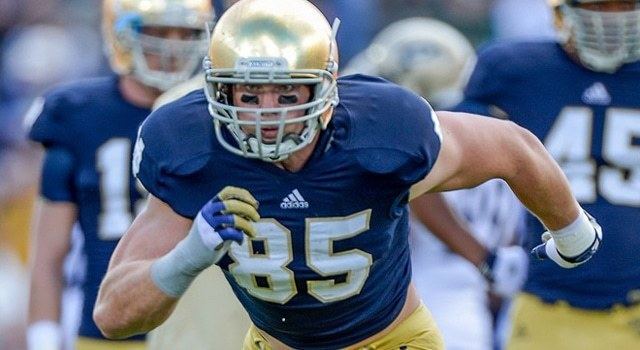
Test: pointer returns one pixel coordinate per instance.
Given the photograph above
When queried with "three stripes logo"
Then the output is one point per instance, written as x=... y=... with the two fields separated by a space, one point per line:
x=294 y=201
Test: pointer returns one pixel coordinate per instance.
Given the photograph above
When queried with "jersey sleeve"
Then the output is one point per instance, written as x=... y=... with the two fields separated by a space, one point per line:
x=171 y=149
x=422 y=134
x=56 y=182
x=49 y=127
x=147 y=163
x=401 y=137
x=48 y=124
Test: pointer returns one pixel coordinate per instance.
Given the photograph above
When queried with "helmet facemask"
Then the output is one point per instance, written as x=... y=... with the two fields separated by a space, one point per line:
x=603 y=41
x=268 y=71
x=259 y=69
x=174 y=60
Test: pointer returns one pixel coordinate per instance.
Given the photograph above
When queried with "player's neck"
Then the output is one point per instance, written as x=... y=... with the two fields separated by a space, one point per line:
x=137 y=93
x=296 y=161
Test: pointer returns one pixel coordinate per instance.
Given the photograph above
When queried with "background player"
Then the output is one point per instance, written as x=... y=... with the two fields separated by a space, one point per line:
x=580 y=97
x=328 y=265
x=88 y=129
x=434 y=59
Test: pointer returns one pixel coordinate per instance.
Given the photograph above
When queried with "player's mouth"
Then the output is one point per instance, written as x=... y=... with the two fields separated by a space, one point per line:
x=269 y=135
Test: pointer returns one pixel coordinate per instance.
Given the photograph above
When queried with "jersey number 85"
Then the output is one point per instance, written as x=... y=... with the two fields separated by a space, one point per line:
x=265 y=274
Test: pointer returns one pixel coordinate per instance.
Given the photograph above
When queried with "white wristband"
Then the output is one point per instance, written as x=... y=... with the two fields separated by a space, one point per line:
x=174 y=272
x=574 y=239
x=44 y=335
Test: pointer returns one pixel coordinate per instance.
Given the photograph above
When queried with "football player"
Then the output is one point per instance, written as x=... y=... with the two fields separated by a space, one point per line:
x=88 y=129
x=580 y=97
x=435 y=59
x=319 y=186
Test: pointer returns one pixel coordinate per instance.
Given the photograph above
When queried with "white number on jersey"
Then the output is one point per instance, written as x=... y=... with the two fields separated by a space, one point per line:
x=113 y=160
x=570 y=142
x=270 y=264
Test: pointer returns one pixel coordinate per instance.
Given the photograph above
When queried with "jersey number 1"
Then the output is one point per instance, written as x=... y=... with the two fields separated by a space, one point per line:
x=113 y=161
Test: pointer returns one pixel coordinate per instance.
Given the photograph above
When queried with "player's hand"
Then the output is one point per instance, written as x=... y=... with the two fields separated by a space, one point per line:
x=548 y=249
x=223 y=220
x=506 y=270
x=228 y=217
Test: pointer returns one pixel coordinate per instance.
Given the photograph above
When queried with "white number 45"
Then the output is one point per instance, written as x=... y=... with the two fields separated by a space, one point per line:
x=570 y=142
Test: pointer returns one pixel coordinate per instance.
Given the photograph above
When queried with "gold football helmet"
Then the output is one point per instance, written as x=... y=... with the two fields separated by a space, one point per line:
x=603 y=34
x=129 y=47
x=423 y=54
x=271 y=42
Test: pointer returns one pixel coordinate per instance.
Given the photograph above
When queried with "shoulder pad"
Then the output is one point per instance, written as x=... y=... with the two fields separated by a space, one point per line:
x=174 y=141
x=390 y=129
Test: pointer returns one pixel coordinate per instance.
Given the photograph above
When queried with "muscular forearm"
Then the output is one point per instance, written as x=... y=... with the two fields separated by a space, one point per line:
x=129 y=303
x=50 y=240
x=540 y=184
x=45 y=292
x=477 y=149
x=154 y=263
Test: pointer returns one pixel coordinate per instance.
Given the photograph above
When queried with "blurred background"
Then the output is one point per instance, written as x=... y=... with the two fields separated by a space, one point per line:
x=46 y=42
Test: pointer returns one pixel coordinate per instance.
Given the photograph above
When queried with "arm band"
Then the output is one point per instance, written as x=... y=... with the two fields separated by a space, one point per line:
x=575 y=238
x=174 y=272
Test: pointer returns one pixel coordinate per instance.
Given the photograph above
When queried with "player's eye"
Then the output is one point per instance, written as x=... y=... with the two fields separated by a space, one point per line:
x=285 y=88
x=287 y=99
x=249 y=99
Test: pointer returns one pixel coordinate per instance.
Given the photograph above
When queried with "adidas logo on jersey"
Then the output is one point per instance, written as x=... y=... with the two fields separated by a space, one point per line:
x=294 y=201
x=596 y=94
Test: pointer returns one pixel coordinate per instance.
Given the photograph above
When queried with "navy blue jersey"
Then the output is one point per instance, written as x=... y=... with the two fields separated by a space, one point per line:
x=330 y=264
x=88 y=130
x=590 y=123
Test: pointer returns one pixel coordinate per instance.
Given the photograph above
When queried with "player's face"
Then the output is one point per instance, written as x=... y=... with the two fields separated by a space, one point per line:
x=271 y=96
x=168 y=58
x=611 y=6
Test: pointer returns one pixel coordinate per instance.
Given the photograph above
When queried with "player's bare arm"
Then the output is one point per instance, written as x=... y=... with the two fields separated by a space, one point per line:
x=155 y=263
x=52 y=223
x=127 y=287
x=475 y=149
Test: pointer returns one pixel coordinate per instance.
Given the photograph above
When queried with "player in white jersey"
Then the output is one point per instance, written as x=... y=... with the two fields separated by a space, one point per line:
x=450 y=285
x=434 y=59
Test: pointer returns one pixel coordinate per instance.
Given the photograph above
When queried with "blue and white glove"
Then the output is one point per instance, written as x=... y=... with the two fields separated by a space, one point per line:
x=227 y=218
x=223 y=220
x=506 y=270
x=573 y=245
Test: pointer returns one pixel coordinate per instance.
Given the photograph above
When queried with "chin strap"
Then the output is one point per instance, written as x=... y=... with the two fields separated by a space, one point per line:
x=268 y=151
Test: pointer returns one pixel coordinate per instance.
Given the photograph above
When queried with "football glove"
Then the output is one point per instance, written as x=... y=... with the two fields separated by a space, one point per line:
x=223 y=220
x=227 y=217
x=506 y=270
x=571 y=246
